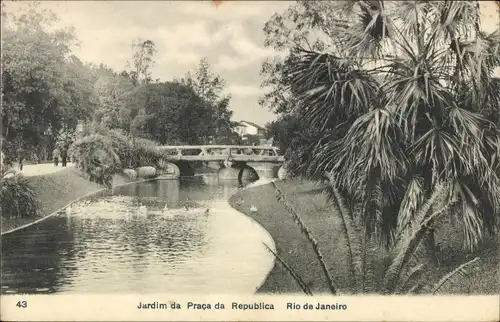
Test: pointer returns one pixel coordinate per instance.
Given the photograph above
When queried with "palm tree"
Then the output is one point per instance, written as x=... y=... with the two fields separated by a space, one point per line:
x=406 y=99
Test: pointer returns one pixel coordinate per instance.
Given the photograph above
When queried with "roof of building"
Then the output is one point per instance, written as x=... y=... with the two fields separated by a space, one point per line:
x=249 y=123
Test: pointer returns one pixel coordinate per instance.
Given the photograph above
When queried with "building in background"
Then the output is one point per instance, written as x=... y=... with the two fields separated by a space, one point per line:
x=248 y=128
x=250 y=133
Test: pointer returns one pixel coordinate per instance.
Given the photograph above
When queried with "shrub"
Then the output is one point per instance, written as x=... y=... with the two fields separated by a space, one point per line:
x=133 y=152
x=107 y=152
x=123 y=147
x=17 y=198
x=97 y=158
x=145 y=152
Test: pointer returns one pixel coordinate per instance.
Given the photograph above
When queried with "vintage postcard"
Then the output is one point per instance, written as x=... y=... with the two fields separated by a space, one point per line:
x=250 y=160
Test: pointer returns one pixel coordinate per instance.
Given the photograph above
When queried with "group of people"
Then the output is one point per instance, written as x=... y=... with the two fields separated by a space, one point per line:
x=20 y=156
x=60 y=153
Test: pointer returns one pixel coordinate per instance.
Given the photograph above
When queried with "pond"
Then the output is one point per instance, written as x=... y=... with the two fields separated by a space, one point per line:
x=163 y=236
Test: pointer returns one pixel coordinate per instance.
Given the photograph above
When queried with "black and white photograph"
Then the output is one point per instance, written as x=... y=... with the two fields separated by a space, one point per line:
x=321 y=150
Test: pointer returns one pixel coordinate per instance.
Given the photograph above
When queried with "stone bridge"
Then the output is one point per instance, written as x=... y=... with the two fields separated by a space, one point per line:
x=231 y=161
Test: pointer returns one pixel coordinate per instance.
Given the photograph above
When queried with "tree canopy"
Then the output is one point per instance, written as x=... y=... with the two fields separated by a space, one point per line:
x=402 y=97
x=47 y=91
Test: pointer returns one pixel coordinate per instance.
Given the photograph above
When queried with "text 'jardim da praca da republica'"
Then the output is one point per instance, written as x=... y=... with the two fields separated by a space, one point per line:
x=239 y=306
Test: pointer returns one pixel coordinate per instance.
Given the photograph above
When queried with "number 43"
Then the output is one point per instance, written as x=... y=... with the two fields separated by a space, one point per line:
x=22 y=304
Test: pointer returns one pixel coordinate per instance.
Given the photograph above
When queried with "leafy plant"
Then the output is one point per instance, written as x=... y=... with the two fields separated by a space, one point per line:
x=145 y=152
x=96 y=158
x=17 y=198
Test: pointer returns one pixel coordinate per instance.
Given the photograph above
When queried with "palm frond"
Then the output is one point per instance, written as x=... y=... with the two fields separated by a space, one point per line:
x=474 y=209
x=453 y=18
x=352 y=232
x=412 y=201
x=476 y=61
x=457 y=271
x=368 y=280
x=371 y=144
x=324 y=80
x=303 y=286
x=412 y=278
x=310 y=237
x=440 y=150
x=407 y=245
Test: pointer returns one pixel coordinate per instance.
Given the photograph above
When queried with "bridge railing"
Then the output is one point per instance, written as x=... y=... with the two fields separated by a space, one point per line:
x=220 y=150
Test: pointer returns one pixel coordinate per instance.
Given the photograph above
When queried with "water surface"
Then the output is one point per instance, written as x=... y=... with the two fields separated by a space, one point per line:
x=152 y=237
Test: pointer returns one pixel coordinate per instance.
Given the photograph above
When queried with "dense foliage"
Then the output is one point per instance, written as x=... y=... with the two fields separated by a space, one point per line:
x=42 y=89
x=17 y=198
x=47 y=91
x=169 y=113
x=297 y=141
x=96 y=158
x=107 y=152
x=403 y=97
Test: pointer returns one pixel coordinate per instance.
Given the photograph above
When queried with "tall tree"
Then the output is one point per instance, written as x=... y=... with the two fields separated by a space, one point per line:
x=210 y=87
x=305 y=25
x=36 y=102
x=82 y=101
x=207 y=84
x=142 y=61
x=170 y=113
x=112 y=90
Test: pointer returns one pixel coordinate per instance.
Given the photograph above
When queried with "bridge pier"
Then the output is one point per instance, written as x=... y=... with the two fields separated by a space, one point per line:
x=265 y=170
x=237 y=172
x=170 y=171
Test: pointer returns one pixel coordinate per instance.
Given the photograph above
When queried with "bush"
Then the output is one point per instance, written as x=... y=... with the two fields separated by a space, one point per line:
x=108 y=152
x=122 y=145
x=17 y=198
x=132 y=152
x=145 y=153
x=97 y=158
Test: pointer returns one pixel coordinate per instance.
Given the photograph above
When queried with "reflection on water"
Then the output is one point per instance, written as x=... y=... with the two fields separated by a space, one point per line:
x=143 y=238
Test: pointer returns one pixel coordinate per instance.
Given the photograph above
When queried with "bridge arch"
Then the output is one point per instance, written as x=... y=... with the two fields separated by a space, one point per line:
x=240 y=172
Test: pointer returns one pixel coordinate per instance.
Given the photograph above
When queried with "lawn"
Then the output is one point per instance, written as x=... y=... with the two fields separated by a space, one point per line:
x=54 y=190
x=311 y=204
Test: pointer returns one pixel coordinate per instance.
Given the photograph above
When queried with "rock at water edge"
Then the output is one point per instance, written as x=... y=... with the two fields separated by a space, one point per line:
x=130 y=173
x=146 y=172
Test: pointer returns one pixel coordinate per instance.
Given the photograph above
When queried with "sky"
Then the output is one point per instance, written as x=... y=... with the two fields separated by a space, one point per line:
x=229 y=35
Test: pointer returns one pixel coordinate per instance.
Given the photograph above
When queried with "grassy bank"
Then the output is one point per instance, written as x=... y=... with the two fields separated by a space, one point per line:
x=55 y=190
x=293 y=246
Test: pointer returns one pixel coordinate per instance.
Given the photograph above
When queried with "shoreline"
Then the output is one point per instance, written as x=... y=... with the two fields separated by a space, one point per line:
x=88 y=189
x=270 y=237
x=296 y=250
x=290 y=242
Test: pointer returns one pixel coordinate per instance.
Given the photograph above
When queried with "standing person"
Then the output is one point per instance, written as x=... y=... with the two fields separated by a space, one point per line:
x=64 y=155
x=55 y=156
x=20 y=157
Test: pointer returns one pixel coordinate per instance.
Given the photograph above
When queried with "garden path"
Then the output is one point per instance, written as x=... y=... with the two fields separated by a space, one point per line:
x=43 y=168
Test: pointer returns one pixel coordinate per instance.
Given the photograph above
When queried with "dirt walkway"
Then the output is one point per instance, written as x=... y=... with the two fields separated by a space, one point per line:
x=43 y=168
